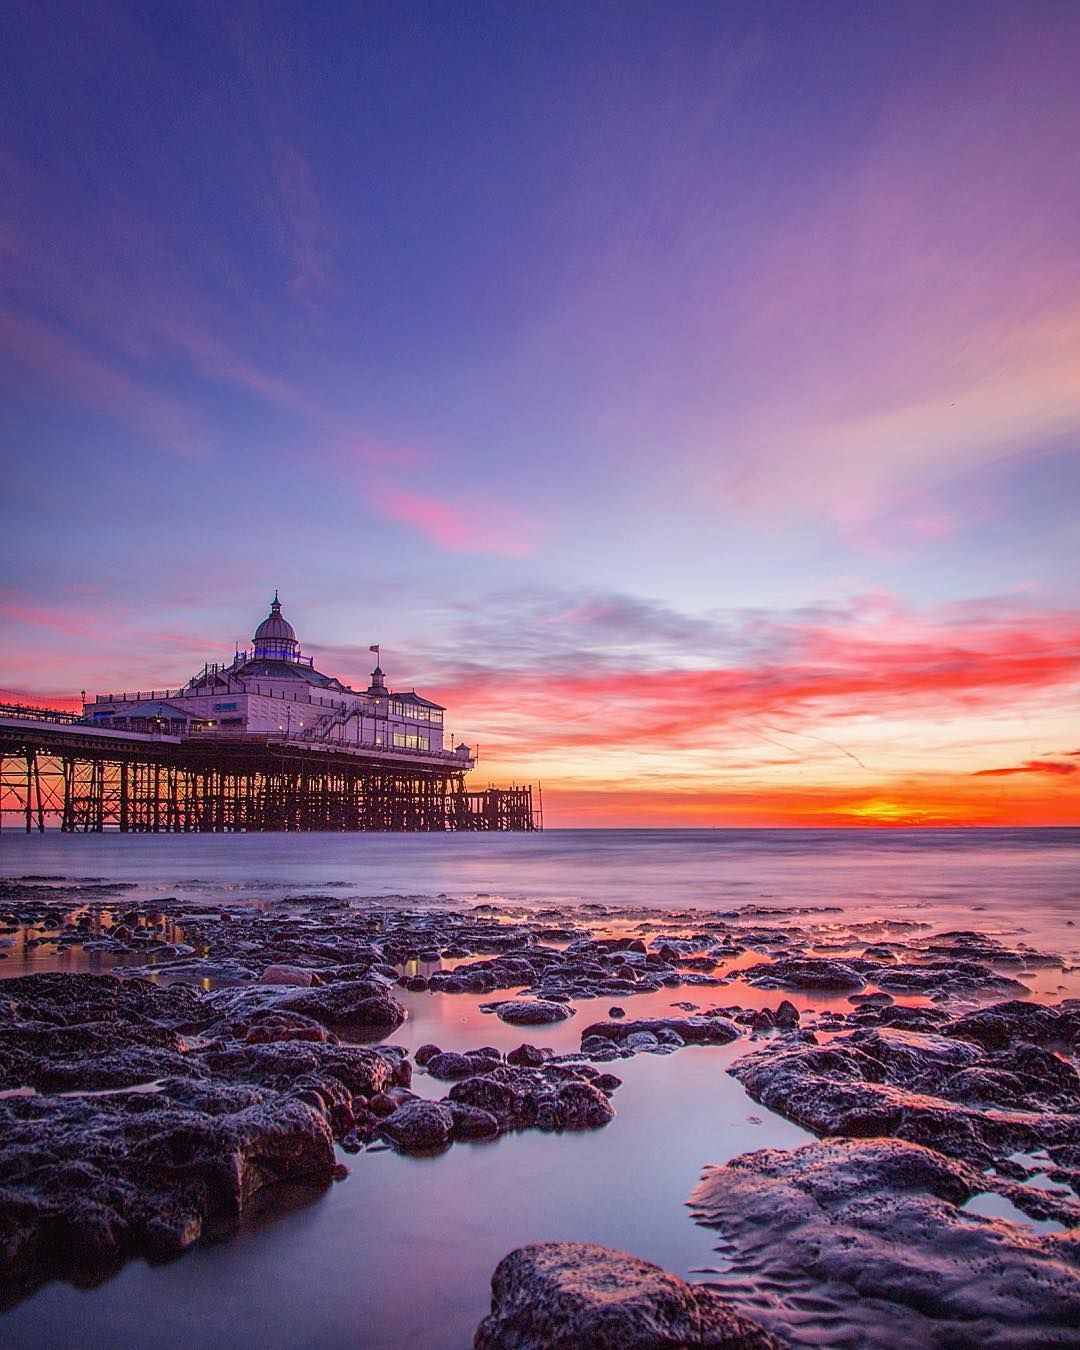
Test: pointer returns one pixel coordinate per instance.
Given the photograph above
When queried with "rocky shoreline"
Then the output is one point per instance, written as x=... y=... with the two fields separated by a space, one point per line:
x=143 y=1111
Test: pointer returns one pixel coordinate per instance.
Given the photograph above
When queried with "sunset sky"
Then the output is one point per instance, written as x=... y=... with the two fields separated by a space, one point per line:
x=686 y=395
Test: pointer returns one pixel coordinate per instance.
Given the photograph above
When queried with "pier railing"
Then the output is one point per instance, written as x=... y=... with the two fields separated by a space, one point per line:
x=24 y=712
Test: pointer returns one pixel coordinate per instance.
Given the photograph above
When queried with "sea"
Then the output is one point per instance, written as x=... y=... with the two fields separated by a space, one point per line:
x=401 y=1252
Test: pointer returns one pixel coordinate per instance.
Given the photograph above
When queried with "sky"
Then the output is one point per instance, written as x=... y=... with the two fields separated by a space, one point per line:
x=685 y=395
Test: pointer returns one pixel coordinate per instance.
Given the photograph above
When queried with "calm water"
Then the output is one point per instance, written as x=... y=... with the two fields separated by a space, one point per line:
x=948 y=870
x=402 y=1251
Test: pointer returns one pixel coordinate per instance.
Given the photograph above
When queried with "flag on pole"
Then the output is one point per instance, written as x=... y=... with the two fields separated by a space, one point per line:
x=374 y=649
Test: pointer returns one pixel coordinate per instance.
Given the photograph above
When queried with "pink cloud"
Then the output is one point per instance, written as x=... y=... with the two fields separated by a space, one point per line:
x=481 y=525
x=69 y=620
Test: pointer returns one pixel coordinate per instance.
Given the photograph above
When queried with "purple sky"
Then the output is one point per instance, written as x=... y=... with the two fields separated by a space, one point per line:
x=588 y=344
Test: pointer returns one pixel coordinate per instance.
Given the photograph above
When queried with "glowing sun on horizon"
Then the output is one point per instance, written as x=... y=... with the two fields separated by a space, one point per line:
x=882 y=811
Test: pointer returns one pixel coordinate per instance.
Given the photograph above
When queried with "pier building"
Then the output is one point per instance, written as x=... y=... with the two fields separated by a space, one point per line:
x=263 y=742
x=273 y=688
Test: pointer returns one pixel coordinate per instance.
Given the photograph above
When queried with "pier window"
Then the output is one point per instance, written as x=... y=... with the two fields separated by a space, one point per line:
x=413 y=711
x=403 y=740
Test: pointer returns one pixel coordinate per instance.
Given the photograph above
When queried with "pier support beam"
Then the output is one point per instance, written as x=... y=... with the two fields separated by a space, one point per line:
x=87 y=787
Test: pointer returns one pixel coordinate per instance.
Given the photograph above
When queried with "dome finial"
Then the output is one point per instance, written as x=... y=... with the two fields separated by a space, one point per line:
x=277 y=602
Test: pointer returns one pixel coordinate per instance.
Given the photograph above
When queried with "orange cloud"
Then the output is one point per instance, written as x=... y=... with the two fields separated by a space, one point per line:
x=1030 y=766
x=36 y=698
x=879 y=718
x=940 y=801
x=892 y=668
x=866 y=714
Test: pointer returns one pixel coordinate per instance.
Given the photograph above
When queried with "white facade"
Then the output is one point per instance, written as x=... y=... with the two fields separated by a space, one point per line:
x=274 y=691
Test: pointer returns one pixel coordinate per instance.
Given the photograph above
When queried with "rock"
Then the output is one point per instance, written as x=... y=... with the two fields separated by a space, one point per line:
x=999 y=1026
x=352 y=1003
x=177 y=1133
x=899 y=1015
x=641 y=1040
x=425 y=1053
x=295 y=975
x=89 y=1180
x=578 y=1296
x=581 y=1106
x=791 y=972
x=447 y=1064
x=616 y=1012
x=281 y=1063
x=530 y=1012
x=687 y=1030
x=286 y=1026
x=913 y=1058
x=136 y=1008
x=946 y=978
x=787 y=1015
x=555 y=1098
x=531 y=1056
x=471 y=1122
x=419 y=1127
x=873 y=1233
x=926 y=1088
x=485 y=1059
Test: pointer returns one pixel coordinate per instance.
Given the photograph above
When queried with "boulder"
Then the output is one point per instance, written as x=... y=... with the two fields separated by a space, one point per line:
x=811 y=973
x=345 y=1003
x=578 y=1296
x=926 y=1088
x=521 y=1098
x=419 y=1127
x=366 y=1003
x=89 y=1180
x=294 y=975
x=532 y=1056
x=532 y=1012
x=471 y=1122
x=875 y=1234
x=687 y=1030
x=448 y=1064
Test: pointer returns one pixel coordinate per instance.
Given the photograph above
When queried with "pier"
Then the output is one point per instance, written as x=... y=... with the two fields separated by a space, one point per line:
x=56 y=768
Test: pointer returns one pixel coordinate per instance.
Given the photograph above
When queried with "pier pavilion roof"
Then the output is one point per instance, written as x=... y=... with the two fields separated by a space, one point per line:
x=157 y=710
x=257 y=668
x=413 y=697
x=275 y=655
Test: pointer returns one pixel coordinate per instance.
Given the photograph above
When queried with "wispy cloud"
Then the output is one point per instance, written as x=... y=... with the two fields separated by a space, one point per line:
x=80 y=621
x=67 y=365
x=480 y=524
x=1051 y=766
